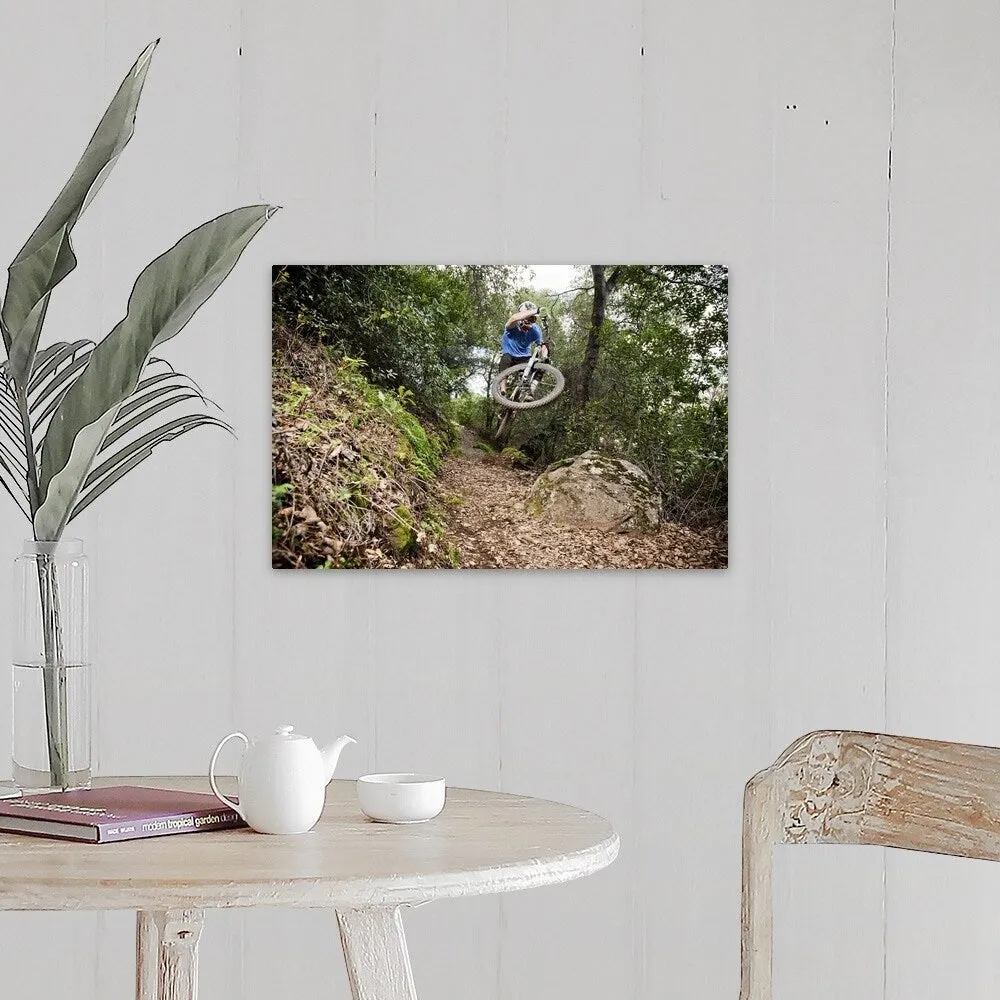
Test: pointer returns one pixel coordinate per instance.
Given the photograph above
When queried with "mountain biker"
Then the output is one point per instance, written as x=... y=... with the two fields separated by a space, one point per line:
x=519 y=335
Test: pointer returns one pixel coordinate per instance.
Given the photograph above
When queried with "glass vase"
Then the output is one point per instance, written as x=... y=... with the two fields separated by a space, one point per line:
x=51 y=667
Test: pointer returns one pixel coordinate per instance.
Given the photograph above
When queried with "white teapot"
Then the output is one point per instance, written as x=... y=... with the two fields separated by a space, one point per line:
x=282 y=780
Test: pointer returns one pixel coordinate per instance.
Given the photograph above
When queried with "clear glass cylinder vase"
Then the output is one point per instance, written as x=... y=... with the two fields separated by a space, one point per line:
x=51 y=667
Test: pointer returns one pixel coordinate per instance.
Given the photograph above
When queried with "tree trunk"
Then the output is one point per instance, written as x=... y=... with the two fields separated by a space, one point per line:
x=593 y=339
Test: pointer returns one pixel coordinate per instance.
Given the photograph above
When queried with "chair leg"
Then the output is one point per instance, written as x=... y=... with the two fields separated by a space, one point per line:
x=147 y=955
x=756 y=937
x=167 y=954
x=378 y=965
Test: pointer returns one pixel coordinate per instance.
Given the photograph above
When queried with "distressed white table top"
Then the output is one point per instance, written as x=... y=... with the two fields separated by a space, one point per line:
x=482 y=842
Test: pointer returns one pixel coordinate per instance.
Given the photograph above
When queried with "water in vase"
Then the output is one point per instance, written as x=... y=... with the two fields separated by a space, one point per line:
x=30 y=748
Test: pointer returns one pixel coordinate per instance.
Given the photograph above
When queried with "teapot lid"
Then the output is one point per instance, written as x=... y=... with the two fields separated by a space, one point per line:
x=284 y=733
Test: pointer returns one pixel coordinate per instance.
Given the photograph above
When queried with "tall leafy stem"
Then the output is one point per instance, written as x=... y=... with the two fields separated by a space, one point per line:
x=77 y=416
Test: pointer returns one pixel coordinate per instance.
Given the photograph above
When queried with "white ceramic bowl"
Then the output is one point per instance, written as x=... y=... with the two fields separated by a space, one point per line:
x=401 y=798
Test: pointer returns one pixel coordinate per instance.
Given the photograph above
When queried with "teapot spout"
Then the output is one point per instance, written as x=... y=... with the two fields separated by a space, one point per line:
x=331 y=755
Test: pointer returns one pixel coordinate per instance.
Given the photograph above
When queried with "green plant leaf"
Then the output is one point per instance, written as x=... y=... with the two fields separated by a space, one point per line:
x=10 y=418
x=14 y=462
x=51 y=376
x=51 y=393
x=165 y=296
x=151 y=396
x=139 y=399
x=47 y=361
x=120 y=428
x=48 y=255
x=176 y=378
x=12 y=491
x=135 y=452
x=13 y=468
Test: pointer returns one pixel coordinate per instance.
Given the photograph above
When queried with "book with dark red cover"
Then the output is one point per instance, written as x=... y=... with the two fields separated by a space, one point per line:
x=120 y=812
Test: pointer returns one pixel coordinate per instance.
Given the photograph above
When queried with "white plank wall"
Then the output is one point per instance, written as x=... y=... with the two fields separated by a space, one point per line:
x=944 y=447
x=864 y=447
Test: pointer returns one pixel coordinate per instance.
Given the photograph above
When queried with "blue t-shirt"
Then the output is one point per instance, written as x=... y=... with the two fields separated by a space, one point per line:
x=517 y=343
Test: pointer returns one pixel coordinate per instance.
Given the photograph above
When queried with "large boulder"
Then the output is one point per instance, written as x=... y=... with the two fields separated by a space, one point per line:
x=596 y=491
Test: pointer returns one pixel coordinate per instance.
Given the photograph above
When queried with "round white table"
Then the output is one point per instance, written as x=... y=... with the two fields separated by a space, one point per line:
x=482 y=842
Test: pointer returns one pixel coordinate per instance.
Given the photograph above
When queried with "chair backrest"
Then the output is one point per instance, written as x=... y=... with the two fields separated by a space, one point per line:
x=837 y=787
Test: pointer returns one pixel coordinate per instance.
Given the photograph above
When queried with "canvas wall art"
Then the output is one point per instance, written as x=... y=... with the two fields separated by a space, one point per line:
x=499 y=416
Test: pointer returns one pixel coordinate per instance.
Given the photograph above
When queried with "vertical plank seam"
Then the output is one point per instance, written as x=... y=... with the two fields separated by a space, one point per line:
x=234 y=686
x=501 y=913
x=234 y=645
x=768 y=704
x=769 y=376
x=638 y=901
x=506 y=129
x=639 y=892
x=643 y=172
x=373 y=142
x=100 y=943
x=498 y=661
x=95 y=692
x=885 y=453
x=370 y=681
x=98 y=939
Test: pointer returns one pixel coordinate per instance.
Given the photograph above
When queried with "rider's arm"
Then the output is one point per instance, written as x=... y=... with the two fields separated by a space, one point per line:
x=516 y=318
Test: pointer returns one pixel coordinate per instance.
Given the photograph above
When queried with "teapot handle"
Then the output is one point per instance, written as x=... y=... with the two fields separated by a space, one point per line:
x=211 y=775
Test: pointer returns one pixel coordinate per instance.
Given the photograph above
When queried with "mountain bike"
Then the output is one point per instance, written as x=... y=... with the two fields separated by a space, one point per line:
x=526 y=386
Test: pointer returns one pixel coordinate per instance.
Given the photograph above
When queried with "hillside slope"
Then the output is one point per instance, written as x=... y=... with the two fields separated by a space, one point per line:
x=352 y=467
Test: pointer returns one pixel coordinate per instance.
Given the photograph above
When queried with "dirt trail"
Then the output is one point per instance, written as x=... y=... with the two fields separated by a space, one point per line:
x=492 y=529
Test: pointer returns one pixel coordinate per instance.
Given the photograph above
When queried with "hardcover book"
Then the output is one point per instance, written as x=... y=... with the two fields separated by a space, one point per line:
x=120 y=812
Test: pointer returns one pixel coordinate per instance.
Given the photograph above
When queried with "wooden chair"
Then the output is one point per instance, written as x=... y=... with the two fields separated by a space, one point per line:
x=835 y=787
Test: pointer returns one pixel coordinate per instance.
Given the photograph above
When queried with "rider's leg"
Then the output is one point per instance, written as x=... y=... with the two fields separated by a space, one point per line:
x=536 y=381
x=505 y=362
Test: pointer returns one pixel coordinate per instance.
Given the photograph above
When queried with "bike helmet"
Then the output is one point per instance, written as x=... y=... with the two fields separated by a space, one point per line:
x=527 y=307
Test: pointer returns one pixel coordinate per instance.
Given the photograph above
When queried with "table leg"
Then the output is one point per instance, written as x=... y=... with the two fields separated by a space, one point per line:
x=167 y=954
x=147 y=955
x=378 y=965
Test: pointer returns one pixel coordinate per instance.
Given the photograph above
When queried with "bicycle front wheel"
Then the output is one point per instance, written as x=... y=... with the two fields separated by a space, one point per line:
x=549 y=382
